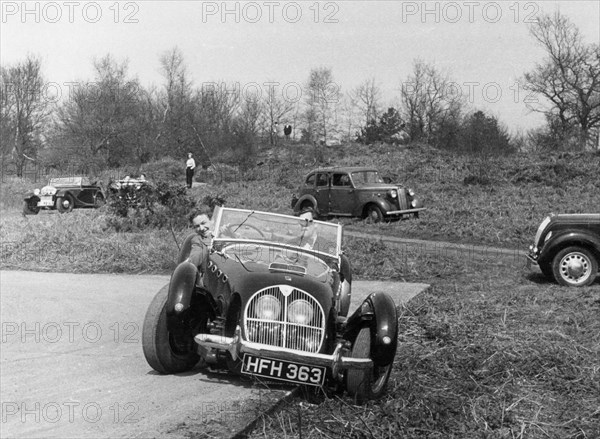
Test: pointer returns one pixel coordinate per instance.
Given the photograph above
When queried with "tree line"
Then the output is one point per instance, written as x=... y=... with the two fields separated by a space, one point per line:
x=112 y=120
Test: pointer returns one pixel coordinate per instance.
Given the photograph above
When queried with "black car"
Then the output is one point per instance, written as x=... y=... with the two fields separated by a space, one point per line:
x=64 y=194
x=355 y=191
x=567 y=248
x=272 y=308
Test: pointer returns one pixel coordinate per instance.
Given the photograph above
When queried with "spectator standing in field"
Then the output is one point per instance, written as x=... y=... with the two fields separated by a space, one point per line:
x=190 y=165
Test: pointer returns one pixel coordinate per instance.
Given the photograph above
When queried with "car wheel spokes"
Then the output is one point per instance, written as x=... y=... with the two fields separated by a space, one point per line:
x=575 y=267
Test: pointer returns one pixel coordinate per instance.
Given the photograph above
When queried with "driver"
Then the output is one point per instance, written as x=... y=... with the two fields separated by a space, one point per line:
x=201 y=242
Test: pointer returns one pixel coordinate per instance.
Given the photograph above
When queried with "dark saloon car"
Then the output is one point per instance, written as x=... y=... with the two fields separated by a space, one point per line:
x=355 y=191
x=64 y=194
x=272 y=307
x=567 y=248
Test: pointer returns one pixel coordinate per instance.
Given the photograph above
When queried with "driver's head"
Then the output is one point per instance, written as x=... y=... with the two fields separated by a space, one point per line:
x=201 y=223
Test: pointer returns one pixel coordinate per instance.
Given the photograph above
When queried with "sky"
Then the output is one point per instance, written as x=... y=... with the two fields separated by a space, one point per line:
x=484 y=46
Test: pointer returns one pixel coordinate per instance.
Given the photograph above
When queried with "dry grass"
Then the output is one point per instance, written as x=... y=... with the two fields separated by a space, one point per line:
x=491 y=351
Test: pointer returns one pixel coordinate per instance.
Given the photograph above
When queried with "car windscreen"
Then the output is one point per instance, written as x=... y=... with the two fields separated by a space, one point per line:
x=366 y=177
x=247 y=225
x=66 y=181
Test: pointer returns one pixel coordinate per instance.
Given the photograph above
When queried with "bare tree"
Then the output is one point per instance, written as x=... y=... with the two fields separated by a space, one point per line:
x=276 y=107
x=366 y=97
x=428 y=101
x=99 y=122
x=569 y=78
x=24 y=111
x=323 y=98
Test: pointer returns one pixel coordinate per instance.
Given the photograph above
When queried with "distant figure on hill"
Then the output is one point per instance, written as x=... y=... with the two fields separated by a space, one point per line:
x=190 y=165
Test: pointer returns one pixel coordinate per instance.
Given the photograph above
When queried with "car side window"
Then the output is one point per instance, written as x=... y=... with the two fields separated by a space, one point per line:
x=341 y=180
x=310 y=180
x=322 y=180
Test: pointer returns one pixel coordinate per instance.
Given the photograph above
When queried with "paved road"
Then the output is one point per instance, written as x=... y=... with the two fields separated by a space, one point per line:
x=71 y=363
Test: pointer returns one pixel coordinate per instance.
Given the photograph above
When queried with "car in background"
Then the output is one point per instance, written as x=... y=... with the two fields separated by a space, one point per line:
x=128 y=189
x=566 y=247
x=357 y=192
x=273 y=308
x=64 y=194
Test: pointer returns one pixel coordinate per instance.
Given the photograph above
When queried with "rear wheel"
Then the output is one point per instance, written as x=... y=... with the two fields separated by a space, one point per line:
x=64 y=204
x=165 y=351
x=99 y=201
x=575 y=267
x=365 y=384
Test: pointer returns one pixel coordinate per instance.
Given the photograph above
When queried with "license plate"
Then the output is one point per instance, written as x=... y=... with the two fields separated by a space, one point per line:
x=45 y=202
x=283 y=370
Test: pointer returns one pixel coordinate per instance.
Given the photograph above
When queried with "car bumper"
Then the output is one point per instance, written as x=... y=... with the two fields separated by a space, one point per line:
x=403 y=212
x=236 y=346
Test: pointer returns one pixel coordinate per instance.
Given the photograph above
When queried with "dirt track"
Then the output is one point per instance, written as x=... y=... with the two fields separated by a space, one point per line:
x=72 y=364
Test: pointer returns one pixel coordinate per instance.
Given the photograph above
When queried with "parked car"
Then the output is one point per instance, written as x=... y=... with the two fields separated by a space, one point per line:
x=567 y=248
x=128 y=189
x=355 y=191
x=273 y=309
x=64 y=194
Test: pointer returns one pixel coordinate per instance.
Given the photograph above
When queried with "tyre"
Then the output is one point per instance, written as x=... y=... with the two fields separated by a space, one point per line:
x=99 y=201
x=374 y=213
x=575 y=267
x=166 y=352
x=365 y=384
x=64 y=204
x=30 y=207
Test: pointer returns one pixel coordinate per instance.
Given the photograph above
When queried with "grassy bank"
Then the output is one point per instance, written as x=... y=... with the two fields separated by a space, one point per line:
x=491 y=350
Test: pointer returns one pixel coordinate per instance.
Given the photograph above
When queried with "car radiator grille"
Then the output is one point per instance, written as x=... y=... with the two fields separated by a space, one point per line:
x=270 y=322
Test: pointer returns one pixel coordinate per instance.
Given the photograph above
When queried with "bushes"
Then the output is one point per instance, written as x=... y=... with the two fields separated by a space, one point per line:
x=151 y=206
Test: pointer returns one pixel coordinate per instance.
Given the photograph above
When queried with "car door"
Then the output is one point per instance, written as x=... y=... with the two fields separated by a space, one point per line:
x=342 y=194
x=322 y=192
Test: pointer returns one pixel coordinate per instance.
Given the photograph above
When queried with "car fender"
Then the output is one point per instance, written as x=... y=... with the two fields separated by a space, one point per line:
x=62 y=193
x=379 y=310
x=181 y=288
x=554 y=245
x=304 y=198
x=382 y=204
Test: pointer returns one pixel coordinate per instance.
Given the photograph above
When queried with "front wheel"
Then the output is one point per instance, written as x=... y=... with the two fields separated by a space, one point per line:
x=31 y=208
x=64 y=204
x=374 y=213
x=575 y=267
x=165 y=352
x=365 y=384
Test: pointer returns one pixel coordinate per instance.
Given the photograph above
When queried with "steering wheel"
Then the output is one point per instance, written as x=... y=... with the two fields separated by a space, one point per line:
x=234 y=227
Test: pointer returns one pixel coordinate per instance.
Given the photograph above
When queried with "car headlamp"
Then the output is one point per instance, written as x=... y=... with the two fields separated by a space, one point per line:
x=411 y=192
x=36 y=192
x=268 y=308
x=393 y=193
x=300 y=311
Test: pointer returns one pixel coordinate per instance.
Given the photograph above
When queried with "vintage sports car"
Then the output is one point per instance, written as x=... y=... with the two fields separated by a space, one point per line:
x=273 y=304
x=355 y=191
x=64 y=194
x=567 y=248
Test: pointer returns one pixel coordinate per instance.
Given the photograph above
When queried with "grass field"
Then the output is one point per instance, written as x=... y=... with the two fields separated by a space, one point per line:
x=491 y=350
